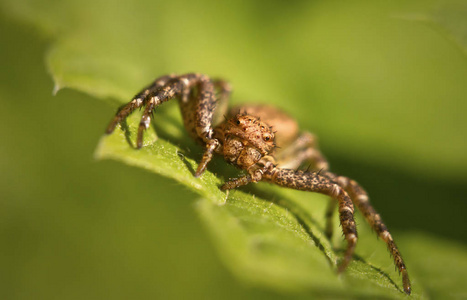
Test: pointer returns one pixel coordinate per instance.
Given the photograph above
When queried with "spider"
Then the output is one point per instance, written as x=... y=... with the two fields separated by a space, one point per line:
x=246 y=139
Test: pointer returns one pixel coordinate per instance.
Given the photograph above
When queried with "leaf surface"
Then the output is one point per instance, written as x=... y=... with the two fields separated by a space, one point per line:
x=265 y=235
x=274 y=240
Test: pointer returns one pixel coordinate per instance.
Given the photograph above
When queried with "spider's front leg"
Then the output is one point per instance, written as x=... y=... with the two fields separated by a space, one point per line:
x=313 y=182
x=197 y=101
x=138 y=101
x=162 y=90
x=204 y=114
x=255 y=174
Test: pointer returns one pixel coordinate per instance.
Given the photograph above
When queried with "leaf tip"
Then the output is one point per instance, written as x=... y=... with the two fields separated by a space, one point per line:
x=98 y=153
x=56 y=88
x=223 y=201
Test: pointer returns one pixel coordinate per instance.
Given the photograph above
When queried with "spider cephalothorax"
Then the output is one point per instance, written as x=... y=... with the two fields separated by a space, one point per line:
x=247 y=141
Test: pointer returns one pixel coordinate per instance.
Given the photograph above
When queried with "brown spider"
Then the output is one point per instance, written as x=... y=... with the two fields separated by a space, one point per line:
x=246 y=140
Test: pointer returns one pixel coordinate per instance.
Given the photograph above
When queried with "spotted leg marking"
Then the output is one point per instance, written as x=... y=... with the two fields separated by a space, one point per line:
x=204 y=130
x=360 y=198
x=305 y=150
x=138 y=101
x=313 y=182
x=203 y=121
x=236 y=182
x=176 y=87
x=162 y=90
x=255 y=173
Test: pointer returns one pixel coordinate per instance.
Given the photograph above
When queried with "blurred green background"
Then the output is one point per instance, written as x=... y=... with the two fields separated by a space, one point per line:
x=383 y=85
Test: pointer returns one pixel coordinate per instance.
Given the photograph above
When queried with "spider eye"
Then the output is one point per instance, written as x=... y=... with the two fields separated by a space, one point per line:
x=267 y=138
x=238 y=122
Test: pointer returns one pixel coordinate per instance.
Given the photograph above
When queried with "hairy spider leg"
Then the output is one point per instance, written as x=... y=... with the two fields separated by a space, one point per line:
x=305 y=150
x=204 y=113
x=298 y=155
x=360 y=198
x=197 y=108
x=166 y=88
x=237 y=182
x=176 y=87
x=314 y=182
x=255 y=173
x=199 y=111
x=138 y=101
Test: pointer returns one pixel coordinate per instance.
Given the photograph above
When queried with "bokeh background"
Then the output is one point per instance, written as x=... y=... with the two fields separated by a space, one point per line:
x=383 y=85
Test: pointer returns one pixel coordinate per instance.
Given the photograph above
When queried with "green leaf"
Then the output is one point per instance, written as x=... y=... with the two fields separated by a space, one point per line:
x=159 y=156
x=277 y=243
x=276 y=240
